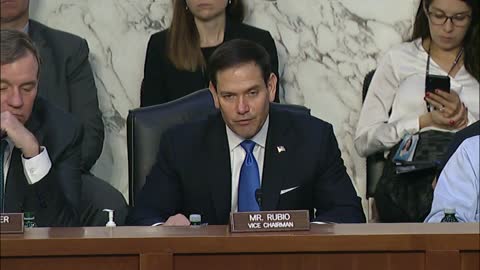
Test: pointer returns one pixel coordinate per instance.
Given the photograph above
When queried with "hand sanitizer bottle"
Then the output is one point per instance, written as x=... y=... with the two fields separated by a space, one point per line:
x=110 y=222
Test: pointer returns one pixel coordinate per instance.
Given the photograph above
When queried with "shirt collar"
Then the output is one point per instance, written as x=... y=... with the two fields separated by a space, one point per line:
x=26 y=28
x=260 y=138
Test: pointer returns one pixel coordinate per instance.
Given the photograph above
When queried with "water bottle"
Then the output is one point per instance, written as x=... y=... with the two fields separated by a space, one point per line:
x=449 y=215
x=29 y=220
x=195 y=219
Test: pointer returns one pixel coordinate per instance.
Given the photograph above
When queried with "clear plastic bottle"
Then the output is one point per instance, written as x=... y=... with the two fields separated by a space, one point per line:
x=195 y=219
x=29 y=220
x=449 y=215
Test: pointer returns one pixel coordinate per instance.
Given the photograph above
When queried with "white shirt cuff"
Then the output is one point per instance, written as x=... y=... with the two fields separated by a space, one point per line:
x=157 y=224
x=37 y=167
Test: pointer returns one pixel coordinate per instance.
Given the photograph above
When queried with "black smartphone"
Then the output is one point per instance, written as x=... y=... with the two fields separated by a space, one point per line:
x=439 y=82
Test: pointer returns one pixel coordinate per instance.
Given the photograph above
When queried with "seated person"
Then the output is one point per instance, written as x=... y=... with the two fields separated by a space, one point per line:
x=214 y=166
x=458 y=186
x=67 y=79
x=397 y=102
x=67 y=82
x=40 y=145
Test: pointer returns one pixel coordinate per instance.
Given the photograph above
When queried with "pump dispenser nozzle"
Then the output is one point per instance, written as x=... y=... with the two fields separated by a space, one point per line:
x=110 y=222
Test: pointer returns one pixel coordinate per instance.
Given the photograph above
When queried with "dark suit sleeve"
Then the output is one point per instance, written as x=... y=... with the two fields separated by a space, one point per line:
x=336 y=199
x=160 y=197
x=58 y=193
x=84 y=103
x=153 y=81
x=470 y=131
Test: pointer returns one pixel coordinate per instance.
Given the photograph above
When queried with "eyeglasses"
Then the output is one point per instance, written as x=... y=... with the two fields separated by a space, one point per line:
x=459 y=20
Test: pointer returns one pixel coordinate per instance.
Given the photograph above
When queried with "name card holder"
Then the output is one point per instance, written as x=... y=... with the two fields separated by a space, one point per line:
x=270 y=221
x=11 y=223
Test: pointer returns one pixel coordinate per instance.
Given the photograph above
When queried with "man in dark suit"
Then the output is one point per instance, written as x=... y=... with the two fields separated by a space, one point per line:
x=67 y=81
x=213 y=167
x=40 y=145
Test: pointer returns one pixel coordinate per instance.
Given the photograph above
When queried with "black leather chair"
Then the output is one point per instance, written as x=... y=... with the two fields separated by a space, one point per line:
x=375 y=162
x=97 y=195
x=145 y=127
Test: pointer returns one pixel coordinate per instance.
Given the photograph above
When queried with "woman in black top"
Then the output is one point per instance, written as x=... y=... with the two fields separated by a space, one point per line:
x=176 y=59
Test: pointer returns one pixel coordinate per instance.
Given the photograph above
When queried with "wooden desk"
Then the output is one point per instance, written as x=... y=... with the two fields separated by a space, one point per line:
x=361 y=246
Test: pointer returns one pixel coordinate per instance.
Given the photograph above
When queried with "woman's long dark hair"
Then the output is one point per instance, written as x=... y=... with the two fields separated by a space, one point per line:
x=183 y=39
x=471 y=41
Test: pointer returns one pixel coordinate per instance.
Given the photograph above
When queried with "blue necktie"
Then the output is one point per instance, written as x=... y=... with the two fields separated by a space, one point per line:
x=249 y=180
x=3 y=146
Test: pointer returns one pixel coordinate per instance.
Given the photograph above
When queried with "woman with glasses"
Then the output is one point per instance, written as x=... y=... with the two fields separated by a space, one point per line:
x=176 y=59
x=445 y=42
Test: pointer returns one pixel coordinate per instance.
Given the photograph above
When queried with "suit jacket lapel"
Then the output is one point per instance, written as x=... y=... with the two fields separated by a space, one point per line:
x=34 y=31
x=275 y=168
x=217 y=164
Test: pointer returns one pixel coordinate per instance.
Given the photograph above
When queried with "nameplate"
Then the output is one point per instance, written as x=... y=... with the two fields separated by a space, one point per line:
x=270 y=221
x=11 y=223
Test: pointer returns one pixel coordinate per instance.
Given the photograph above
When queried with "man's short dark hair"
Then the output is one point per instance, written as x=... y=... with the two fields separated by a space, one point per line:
x=15 y=45
x=235 y=52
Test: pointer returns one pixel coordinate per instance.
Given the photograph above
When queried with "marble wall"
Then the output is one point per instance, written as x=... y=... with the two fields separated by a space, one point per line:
x=325 y=49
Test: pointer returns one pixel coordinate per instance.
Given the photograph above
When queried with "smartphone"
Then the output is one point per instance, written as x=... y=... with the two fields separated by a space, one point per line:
x=439 y=82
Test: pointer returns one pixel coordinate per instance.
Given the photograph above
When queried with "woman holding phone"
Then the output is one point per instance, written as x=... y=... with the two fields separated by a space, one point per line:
x=445 y=42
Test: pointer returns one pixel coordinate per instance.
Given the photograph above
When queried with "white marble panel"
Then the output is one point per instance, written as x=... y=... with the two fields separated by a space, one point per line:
x=325 y=48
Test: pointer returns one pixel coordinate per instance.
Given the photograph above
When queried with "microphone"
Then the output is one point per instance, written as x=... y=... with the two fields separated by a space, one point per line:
x=258 y=197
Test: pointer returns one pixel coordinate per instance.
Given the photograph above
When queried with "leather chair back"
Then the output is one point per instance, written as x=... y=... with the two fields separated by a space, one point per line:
x=376 y=161
x=145 y=127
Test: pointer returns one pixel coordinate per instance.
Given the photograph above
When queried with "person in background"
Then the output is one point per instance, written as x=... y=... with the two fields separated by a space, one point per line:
x=176 y=58
x=445 y=41
x=216 y=166
x=40 y=144
x=458 y=186
x=67 y=82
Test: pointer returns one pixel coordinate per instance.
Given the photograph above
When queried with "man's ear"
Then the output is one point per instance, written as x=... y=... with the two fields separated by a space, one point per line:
x=213 y=91
x=272 y=86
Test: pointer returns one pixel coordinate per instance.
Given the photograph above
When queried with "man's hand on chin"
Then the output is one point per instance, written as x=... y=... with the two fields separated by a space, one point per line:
x=177 y=220
x=21 y=137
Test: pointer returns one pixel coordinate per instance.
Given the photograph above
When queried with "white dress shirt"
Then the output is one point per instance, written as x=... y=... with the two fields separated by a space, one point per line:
x=237 y=156
x=459 y=184
x=35 y=168
x=399 y=84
